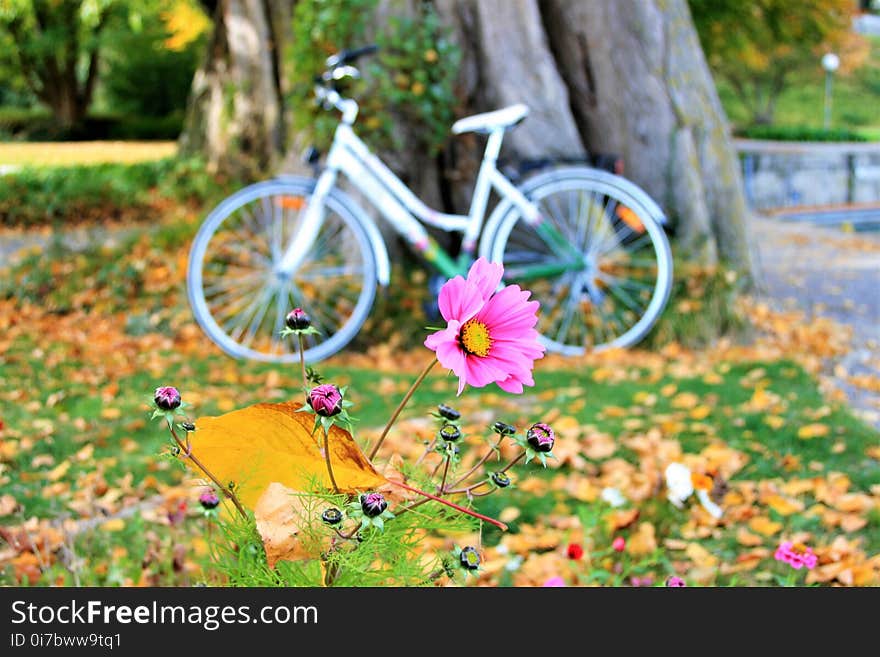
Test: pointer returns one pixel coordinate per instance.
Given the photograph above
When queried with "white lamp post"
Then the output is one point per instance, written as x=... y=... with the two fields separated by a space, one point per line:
x=830 y=62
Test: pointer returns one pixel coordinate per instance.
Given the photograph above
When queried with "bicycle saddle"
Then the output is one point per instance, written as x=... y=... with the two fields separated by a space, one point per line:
x=488 y=121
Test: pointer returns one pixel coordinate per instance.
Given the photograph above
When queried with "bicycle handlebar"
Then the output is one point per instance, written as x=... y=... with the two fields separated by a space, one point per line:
x=348 y=56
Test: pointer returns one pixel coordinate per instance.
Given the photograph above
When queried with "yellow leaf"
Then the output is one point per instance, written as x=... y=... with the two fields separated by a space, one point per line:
x=747 y=538
x=642 y=541
x=109 y=413
x=701 y=557
x=266 y=443
x=281 y=514
x=763 y=525
x=815 y=430
x=509 y=514
x=114 y=525
x=774 y=421
x=685 y=400
x=700 y=412
x=783 y=506
x=58 y=471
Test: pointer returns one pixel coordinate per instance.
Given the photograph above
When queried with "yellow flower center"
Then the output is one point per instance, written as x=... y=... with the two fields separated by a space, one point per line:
x=799 y=548
x=474 y=338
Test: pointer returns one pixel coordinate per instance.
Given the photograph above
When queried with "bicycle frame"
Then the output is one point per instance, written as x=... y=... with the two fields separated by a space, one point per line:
x=402 y=209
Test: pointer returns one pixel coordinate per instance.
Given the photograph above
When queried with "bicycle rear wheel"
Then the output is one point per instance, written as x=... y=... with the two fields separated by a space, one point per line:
x=604 y=277
x=240 y=298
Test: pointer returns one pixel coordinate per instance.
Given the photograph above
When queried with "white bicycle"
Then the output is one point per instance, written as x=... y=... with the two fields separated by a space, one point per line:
x=589 y=245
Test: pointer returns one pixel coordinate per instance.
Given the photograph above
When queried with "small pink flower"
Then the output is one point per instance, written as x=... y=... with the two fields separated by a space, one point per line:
x=619 y=544
x=641 y=581
x=554 y=581
x=674 y=582
x=489 y=336
x=796 y=555
x=325 y=399
x=298 y=320
x=167 y=398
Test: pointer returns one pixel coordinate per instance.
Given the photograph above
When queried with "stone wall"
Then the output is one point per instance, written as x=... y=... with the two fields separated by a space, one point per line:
x=787 y=174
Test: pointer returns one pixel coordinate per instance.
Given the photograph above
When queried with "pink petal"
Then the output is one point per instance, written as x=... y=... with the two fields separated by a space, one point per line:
x=486 y=276
x=449 y=334
x=511 y=385
x=459 y=299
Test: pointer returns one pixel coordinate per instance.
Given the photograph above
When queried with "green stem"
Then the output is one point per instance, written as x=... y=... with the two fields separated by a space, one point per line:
x=302 y=360
x=201 y=466
x=400 y=406
x=457 y=507
x=445 y=473
x=479 y=463
x=327 y=461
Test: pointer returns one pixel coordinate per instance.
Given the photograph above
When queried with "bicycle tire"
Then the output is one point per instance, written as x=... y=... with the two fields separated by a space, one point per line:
x=634 y=216
x=351 y=238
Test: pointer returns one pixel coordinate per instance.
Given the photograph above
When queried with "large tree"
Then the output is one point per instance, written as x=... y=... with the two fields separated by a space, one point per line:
x=235 y=116
x=621 y=76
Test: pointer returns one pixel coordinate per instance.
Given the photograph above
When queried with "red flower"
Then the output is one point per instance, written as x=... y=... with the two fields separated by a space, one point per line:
x=575 y=551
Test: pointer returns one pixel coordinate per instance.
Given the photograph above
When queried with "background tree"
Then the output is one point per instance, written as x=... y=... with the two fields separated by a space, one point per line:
x=58 y=49
x=235 y=115
x=758 y=46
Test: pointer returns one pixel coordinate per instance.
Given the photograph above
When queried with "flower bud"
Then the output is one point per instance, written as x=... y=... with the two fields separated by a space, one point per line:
x=167 y=398
x=332 y=516
x=325 y=399
x=188 y=426
x=501 y=479
x=574 y=551
x=450 y=432
x=298 y=320
x=541 y=437
x=470 y=558
x=619 y=544
x=209 y=500
x=503 y=429
x=373 y=504
x=675 y=582
x=448 y=412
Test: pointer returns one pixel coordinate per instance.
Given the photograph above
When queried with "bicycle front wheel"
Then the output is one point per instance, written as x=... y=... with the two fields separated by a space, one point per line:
x=600 y=264
x=240 y=297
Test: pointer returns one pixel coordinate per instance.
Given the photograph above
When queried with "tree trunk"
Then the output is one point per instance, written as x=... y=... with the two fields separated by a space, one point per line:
x=235 y=115
x=605 y=76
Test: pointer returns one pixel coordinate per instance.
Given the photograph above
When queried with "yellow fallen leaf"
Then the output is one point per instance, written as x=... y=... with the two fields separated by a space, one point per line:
x=281 y=516
x=110 y=413
x=814 y=430
x=58 y=471
x=509 y=514
x=747 y=538
x=685 y=400
x=622 y=519
x=114 y=525
x=701 y=557
x=8 y=504
x=783 y=506
x=700 y=412
x=763 y=525
x=642 y=541
x=265 y=443
x=774 y=421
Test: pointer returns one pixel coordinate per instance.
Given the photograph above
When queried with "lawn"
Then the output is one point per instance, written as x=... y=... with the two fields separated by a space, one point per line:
x=87 y=496
x=855 y=98
x=44 y=154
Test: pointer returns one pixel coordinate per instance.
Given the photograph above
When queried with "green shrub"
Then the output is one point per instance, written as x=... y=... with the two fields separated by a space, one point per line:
x=38 y=125
x=799 y=133
x=71 y=194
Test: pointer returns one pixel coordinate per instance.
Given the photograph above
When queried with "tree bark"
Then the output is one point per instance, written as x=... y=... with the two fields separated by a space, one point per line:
x=235 y=114
x=605 y=76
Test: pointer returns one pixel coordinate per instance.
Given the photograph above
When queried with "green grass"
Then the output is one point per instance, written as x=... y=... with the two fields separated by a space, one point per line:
x=84 y=399
x=855 y=98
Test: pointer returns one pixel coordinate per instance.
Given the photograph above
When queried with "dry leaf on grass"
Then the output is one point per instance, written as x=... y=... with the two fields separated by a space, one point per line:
x=267 y=443
x=281 y=514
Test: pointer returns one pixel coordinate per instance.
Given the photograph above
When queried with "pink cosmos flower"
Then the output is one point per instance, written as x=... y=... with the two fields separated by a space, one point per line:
x=619 y=544
x=554 y=581
x=796 y=555
x=675 y=582
x=489 y=336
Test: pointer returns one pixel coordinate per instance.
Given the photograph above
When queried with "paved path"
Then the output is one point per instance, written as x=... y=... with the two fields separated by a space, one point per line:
x=830 y=272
